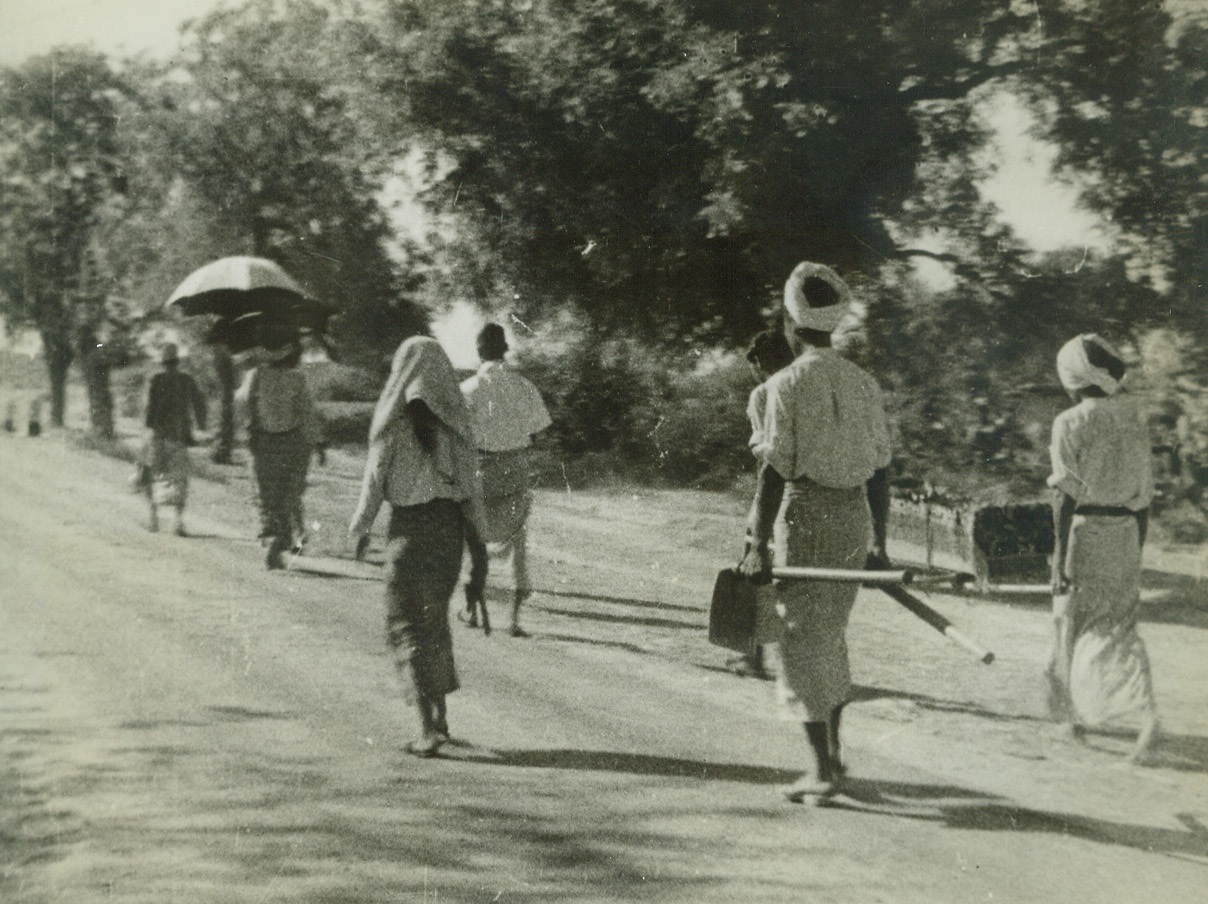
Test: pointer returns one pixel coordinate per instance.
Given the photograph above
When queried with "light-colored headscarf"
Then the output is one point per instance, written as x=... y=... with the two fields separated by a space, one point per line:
x=1075 y=370
x=797 y=306
x=422 y=370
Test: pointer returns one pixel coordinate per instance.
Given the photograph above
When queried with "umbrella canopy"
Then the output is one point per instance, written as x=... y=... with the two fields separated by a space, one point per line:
x=234 y=287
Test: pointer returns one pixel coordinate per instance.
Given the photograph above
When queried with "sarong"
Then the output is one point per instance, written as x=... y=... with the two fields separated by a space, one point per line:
x=507 y=500
x=423 y=563
x=1099 y=664
x=168 y=463
x=826 y=528
x=280 y=462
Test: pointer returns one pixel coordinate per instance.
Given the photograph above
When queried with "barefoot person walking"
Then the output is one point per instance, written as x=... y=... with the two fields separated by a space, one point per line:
x=1103 y=475
x=173 y=401
x=422 y=461
x=825 y=448
x=506 y=411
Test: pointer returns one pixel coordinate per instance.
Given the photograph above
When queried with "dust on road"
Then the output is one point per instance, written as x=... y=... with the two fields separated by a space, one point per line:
x=177 y=724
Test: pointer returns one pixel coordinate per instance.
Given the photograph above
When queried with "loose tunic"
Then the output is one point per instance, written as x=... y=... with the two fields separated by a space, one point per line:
x=282 y=431
x=506 y=410
x=1101 y=458
x=173 y=401
x=825 y=432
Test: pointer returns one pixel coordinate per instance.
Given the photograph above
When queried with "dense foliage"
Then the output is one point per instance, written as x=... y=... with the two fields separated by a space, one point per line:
x=632 y=180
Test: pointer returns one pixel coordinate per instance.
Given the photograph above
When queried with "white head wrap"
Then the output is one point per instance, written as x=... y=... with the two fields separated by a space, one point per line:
x=1076 y=371
x=797 y=307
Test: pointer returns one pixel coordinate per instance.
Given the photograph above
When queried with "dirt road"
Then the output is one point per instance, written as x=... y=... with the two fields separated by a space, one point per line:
x=178 y=725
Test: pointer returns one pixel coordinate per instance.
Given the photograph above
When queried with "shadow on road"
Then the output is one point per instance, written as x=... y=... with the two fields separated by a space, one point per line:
x=631 y=763
x=926 y=802
x=609 y=618
x=624 y=601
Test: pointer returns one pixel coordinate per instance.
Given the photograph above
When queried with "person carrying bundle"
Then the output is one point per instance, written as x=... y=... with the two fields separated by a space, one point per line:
x=825 y=449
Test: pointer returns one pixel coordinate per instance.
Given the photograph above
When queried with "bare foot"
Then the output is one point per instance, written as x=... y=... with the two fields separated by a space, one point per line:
x=1146 y=741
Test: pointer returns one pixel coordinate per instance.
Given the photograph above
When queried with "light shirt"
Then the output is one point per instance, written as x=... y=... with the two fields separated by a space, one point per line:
x=276 y=400
x=1101 y=454
x=505 y=408
x=400 y=472
x=824 y=420
x=756 y=405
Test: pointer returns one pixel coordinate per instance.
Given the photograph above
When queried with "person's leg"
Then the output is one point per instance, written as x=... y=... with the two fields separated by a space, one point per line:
x=821 y=784
x=476 y=586
x=153 y=509
x=440 y=721
x=180 y=477
x=1147 y=738
x=835 y=746
x=520 y=577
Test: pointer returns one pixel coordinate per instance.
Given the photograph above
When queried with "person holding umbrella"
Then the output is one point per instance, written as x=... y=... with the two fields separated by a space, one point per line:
x=422 y=461
x=283 y=430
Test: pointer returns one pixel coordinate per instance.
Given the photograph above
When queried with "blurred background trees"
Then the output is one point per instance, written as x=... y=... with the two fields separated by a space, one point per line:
x=627 y=183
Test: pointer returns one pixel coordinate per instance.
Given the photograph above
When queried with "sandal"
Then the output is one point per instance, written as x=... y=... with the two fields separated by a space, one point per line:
x=423 y=749
x=817 y=790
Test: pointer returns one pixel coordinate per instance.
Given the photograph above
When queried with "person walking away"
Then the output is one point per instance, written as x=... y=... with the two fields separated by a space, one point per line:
x=768 y=354
x=421 y=460
x=1103 y=477
x=506 y=411
x=282 y=431
x=173 y=401
x=825 y=452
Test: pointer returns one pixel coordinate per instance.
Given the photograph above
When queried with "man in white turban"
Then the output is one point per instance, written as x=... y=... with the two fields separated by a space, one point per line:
x=1103 y=474
x=825 y=450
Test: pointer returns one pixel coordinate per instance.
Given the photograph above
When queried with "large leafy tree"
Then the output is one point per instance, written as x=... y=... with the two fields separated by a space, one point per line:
x=62 y=170
x=662 y=164
x=250 y=122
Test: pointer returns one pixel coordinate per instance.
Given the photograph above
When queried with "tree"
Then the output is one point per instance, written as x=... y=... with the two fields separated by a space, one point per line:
x=59 y=156
x=252 y=123
x=661 y=164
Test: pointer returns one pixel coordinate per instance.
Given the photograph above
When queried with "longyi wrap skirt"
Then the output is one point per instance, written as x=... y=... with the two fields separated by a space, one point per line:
x=423 y=563
x=825 y=528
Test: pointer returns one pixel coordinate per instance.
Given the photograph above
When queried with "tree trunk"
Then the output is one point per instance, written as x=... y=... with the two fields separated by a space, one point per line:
x=58 y=354
x=224 y=368
x=94 y=362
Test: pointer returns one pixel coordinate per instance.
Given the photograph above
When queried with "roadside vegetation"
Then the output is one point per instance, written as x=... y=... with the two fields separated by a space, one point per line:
x=626 y=183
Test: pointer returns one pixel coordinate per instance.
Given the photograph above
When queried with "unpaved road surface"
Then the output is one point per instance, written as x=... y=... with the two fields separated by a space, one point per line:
x=179 y=725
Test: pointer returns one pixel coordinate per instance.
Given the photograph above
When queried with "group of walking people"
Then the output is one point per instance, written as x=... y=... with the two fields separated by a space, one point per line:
x=284 y=430
x=821 y=437
x=452 y=461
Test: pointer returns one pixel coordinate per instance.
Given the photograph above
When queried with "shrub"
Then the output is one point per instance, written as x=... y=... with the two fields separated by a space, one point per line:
x=330 y=382
x=345 y=423
x=1184 y=522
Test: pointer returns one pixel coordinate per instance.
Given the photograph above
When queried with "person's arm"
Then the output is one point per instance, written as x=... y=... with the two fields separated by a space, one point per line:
x=151 y=418
x=877 y=490
x=373 y=493
x=1063 y=518
x=757 y=562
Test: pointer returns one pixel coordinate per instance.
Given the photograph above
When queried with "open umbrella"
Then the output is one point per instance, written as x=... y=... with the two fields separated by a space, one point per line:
x=250 y=291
